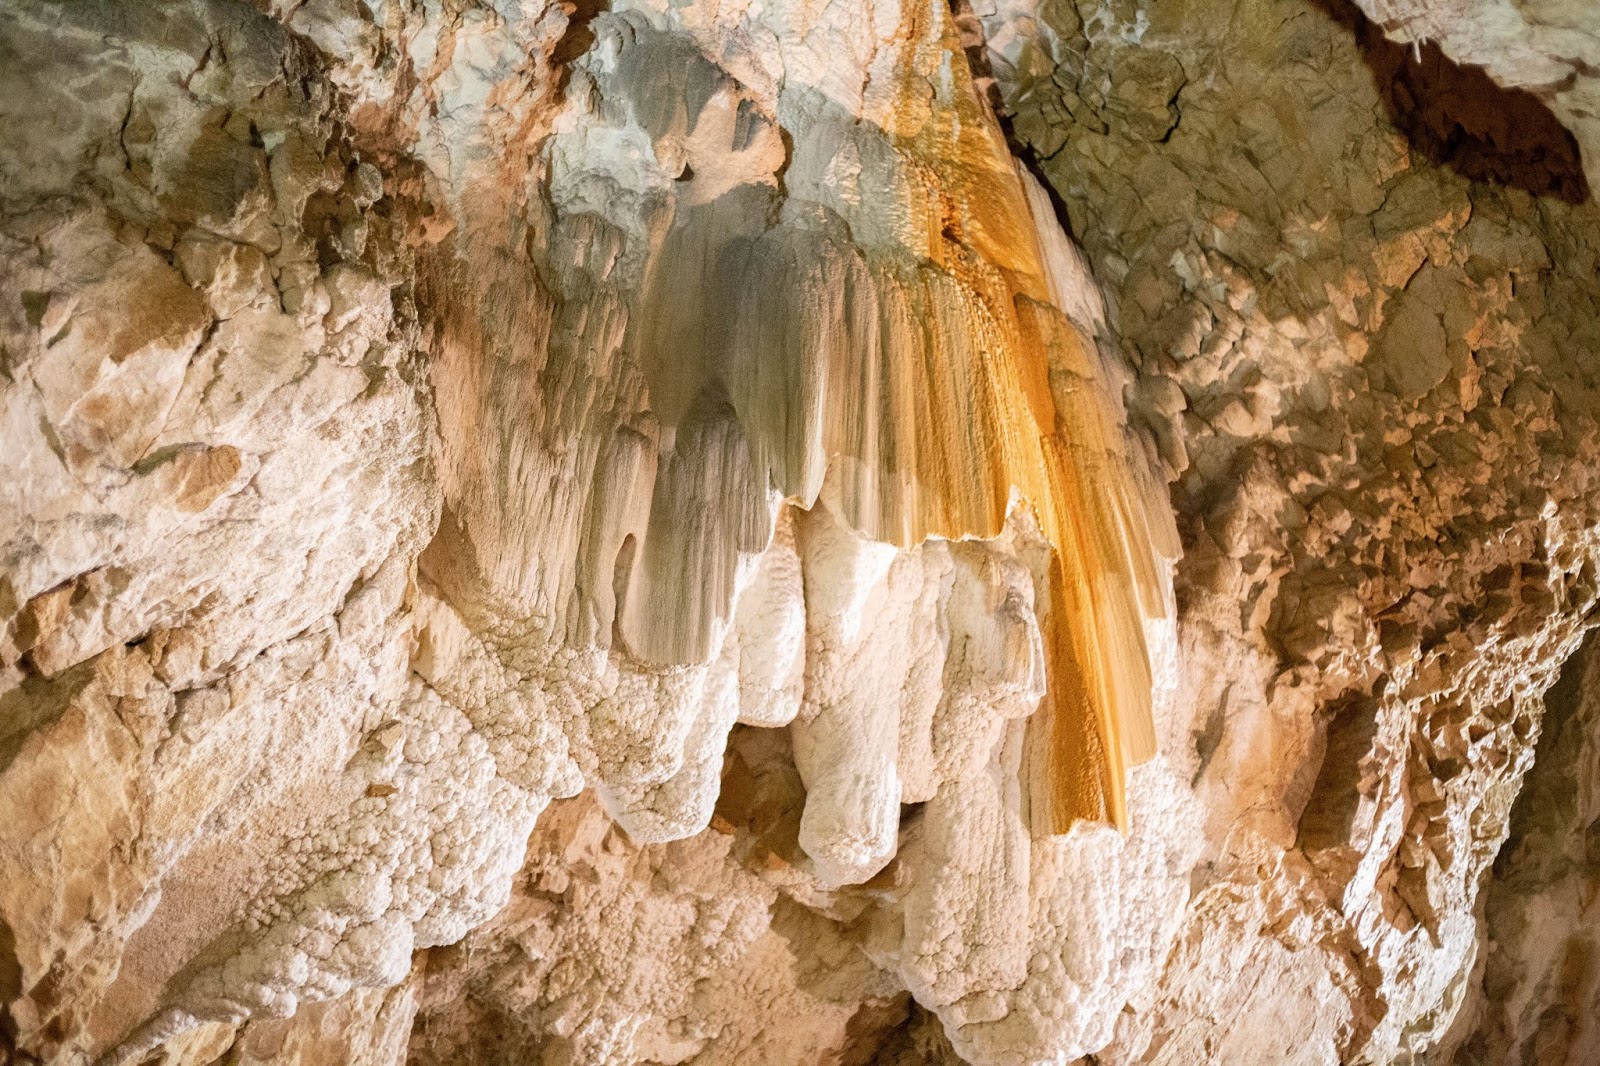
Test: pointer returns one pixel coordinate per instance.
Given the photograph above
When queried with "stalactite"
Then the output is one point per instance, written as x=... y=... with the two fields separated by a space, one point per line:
x=909 y=386
x=635 y=531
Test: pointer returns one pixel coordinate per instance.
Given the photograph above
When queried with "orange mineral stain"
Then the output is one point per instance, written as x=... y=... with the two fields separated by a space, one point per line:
x=1060 y=449
x=914 y=388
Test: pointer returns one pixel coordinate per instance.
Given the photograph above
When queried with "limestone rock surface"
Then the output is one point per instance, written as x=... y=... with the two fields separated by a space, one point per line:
x=1532 y=994
x=852 y=532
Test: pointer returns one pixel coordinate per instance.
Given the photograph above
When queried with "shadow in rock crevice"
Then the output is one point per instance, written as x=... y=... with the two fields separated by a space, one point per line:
x=1457 y=116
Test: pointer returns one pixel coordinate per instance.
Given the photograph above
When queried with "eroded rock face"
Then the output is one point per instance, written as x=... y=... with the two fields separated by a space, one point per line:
x=1533 y=991
x=1342 y=350
x=217 y=478
x=533 y=533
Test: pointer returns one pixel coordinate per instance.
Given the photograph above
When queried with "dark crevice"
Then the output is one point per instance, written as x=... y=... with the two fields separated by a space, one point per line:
x=577 y=39
x=1458 y=117
x=1329 y=814
x=977 y=52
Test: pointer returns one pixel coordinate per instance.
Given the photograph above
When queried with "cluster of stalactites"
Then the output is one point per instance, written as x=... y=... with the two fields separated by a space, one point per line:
x=895 y=344
x=915 y=398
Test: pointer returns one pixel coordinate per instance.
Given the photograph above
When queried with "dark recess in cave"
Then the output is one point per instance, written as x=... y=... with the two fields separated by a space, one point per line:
x=1329 y=815
x=976 y=49
x=1458 y=117
x=578 y=37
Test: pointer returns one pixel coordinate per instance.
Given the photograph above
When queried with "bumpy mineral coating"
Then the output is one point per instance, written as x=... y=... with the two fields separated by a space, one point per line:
x=1533 y=995
x=192 y=323
x=1365 y=372
x=416 y=414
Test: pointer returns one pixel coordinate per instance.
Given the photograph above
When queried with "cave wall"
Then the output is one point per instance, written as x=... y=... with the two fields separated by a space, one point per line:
x=860 y=533
x=1545 y=48
x=1533 y=991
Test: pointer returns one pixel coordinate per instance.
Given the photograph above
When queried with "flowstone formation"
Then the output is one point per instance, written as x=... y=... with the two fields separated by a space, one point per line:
x=675 y=532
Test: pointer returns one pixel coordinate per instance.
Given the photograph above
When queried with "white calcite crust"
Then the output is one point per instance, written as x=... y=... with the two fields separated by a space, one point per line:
x=507 y=553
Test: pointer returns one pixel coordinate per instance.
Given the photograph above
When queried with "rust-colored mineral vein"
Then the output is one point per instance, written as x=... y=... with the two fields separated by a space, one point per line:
x=911 y=387
x=1059 y=448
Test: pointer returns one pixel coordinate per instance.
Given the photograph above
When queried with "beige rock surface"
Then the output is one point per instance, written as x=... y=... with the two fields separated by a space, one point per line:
x=612 y=534
x=1533 y=993
x=1365 y=373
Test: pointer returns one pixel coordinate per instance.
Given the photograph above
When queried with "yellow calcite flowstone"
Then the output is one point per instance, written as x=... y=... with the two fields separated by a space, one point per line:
x=907 y=382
